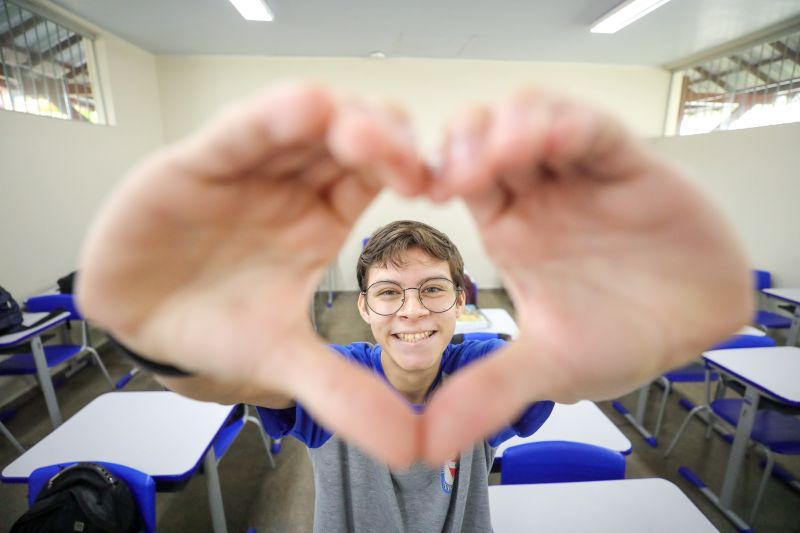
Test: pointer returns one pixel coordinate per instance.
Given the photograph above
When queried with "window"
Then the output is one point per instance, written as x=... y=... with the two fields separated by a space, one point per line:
x=756 y=86
x=46 y=65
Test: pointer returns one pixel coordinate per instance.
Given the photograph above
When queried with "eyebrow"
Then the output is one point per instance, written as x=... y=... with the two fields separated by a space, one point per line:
x=418 y=284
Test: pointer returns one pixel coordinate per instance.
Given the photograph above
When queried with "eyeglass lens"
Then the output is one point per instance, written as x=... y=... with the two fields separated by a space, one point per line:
x=436 y=295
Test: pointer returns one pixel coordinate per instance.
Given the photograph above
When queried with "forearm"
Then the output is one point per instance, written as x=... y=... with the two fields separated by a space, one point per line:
x=206 y=388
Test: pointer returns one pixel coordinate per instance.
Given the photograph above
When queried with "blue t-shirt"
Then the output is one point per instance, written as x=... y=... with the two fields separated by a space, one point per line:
x=296 y=421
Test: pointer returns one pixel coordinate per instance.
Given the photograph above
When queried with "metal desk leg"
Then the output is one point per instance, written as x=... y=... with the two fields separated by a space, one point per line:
x=641 y=405
x=4 y=430
x=740 y=442
x=794 y=331
x=214 y=492
x=45 y=381
x=314 y=310
x=638 y=421
x=329 y=282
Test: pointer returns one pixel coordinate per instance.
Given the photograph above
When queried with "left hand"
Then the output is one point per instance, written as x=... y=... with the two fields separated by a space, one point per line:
x=618 y=268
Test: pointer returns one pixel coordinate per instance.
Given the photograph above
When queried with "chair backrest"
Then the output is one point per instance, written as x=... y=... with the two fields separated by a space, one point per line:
x=762 y=279
x=229 y=431
x=458 y=338
x=141 y=485
x=745 y=341
x=470 y=289
x=51 y=302
x=560 y=462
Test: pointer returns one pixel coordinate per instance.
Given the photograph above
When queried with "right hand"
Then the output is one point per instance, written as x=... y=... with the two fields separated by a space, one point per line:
x=208 y=253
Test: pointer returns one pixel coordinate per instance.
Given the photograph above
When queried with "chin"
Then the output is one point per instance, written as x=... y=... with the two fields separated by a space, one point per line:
x=417 y=360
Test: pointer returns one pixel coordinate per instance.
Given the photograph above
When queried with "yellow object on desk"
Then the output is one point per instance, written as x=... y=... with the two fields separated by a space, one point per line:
x=472 y=319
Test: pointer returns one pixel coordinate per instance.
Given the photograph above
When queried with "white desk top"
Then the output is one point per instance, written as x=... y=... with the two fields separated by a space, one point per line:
x=774 y=370
x=652 y=505
x=750 y=330
x=499 y=322
x=790 y=295
x=159 y=433
x=11 y=339
x=579 y=422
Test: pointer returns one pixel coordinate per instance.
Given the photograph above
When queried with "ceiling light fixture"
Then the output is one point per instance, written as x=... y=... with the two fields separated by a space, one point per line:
x=253 y=10
x=626 y=13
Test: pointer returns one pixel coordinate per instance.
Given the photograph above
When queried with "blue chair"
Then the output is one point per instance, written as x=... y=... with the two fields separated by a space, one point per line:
x=58 y=353
x=560 y=462
x=695 y=372
x=142 y=487
x=234 y=426
x=773 y=432
x=458 y=338
x=470 y=289
x=763 y=318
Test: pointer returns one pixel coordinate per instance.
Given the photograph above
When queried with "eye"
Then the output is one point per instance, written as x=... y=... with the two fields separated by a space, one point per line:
x=386 y=293
x=433 y=289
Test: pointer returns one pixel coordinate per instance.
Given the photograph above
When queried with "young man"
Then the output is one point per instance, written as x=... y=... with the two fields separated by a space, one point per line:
x=412 y=279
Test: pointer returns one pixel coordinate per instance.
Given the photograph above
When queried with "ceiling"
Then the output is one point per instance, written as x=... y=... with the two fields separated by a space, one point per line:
x=525 y=30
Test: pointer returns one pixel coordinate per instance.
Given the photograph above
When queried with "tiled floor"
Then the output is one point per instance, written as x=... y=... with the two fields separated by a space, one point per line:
x=282 y=499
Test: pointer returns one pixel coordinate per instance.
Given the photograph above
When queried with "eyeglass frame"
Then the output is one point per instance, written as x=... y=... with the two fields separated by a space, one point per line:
x=419 y=295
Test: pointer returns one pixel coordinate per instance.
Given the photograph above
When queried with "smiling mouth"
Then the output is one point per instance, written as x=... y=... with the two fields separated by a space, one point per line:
x=413 y=337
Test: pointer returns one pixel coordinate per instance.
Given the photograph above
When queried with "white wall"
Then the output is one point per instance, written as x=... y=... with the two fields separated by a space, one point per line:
x=192 y=88
x=56 y=172
x=754 y=176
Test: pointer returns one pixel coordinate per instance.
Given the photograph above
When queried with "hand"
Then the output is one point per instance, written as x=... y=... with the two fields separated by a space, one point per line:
x=208 y=253
x=619 y=270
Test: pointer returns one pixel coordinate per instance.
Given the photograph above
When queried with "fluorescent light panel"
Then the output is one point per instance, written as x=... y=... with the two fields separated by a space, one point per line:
x=625 y=14
x=253 y=9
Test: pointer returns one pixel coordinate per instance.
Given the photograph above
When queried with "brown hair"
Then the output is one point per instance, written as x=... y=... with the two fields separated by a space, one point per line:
x=389 y=243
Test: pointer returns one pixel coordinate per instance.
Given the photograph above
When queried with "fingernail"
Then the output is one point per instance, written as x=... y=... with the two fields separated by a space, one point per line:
x=462 y=155
x=404 y=136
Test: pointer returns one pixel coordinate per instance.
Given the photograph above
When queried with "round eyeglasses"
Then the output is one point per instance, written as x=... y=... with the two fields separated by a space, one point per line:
x=437 y=295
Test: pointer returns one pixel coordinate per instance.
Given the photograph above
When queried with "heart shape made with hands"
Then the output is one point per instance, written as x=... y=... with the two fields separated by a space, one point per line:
x=206 y=255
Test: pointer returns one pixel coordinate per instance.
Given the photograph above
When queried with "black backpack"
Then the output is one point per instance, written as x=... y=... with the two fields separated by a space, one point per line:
x=10 y=315
x=66 y=284
x=82 y=497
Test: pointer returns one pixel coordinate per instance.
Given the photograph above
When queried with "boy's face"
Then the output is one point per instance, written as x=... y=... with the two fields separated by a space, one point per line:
x=414 y=338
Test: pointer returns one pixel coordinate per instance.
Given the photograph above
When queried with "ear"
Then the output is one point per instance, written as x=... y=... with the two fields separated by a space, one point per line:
x=362 y=307
x=460 y=302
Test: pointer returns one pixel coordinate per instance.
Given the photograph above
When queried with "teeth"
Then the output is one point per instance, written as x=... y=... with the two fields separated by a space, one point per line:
x=413 y=337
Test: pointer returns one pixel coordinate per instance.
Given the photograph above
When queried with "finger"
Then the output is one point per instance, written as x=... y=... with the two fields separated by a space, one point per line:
x=292 y=161
x=478 y=401
x=244 y=135
x=378 y=144
x=352 y=402
x=463 y=162
x=519 y=129
x=594 y=143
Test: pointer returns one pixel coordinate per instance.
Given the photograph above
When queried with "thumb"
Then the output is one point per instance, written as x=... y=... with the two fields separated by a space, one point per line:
x=476 y=402
x=358 y=406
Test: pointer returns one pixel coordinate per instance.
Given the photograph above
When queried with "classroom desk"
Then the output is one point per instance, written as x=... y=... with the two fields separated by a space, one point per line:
x=791 y=296
x=637 y=420
x=33 y=337
x=159 y=433
x=652 y=505
x=499 y=322
x=578 y=422
x=771 y=372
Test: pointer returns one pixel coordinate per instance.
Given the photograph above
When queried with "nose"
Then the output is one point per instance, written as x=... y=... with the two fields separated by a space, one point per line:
x=412 y=306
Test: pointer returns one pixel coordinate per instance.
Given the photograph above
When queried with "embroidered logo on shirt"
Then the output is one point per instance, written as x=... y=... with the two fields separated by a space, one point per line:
x=448 y=475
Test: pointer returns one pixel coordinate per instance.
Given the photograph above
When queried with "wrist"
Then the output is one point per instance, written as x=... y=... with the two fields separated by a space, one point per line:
x=148 y=364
